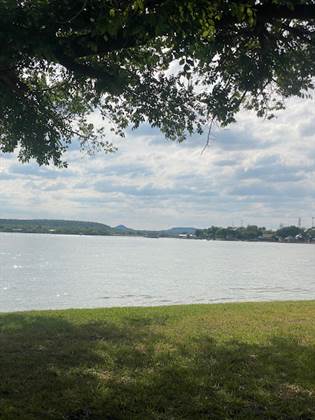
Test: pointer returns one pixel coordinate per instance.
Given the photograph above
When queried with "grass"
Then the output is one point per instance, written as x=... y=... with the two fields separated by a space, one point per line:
x=231 y=361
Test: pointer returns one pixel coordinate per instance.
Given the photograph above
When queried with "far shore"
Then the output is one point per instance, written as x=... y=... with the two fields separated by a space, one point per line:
x=190 y=238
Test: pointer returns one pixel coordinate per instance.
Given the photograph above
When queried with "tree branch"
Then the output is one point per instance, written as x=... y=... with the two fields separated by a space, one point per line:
x=269 y=11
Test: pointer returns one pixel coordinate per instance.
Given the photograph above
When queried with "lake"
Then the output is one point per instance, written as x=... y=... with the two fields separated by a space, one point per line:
x=54 y=272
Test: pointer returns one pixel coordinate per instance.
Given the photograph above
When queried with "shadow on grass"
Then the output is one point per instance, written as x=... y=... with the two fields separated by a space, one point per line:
x=131 y=368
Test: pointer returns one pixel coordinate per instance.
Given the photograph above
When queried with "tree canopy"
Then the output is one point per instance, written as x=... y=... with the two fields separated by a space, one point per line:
x=175 y=65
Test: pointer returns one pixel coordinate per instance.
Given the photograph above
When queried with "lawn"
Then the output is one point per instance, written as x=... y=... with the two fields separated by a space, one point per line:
x=225 y=361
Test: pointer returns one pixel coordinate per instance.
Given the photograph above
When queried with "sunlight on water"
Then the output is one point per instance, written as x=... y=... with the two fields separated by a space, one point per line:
x=48 y=271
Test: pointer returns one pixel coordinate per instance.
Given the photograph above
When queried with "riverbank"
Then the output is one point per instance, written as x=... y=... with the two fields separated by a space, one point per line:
x=248 y=360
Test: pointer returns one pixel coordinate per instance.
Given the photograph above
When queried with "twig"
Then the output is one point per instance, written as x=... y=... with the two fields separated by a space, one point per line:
x=209 y=134
x=79 y=12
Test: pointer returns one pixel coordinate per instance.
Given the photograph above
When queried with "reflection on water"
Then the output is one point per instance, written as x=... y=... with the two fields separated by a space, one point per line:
x=47 y=271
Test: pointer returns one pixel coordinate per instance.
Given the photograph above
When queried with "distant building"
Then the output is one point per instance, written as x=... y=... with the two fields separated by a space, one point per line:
x=267 y=236
x=289 y=239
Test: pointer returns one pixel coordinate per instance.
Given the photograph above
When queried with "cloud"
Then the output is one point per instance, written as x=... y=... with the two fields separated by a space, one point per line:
x=258 y=171
x=5 y=176
x=226 y=162
x=239 y=140
x=132 y=170
x=308 y=128
x=271 y=169
x=33 y=170
x=149 y=190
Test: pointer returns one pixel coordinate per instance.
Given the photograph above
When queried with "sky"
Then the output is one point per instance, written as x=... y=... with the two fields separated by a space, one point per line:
x=253 y=172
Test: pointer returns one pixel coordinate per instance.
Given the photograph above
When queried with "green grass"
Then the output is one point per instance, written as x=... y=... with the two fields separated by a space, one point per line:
x=238 y=361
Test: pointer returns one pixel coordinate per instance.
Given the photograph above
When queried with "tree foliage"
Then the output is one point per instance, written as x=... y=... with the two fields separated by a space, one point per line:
x=255 y=233
x=176 y=65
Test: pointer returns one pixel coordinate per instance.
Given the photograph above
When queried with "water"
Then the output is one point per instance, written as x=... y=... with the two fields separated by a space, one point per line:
x=52 y=272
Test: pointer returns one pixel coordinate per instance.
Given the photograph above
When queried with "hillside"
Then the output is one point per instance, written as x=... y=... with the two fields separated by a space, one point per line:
x=72 y=227
x=55 y=226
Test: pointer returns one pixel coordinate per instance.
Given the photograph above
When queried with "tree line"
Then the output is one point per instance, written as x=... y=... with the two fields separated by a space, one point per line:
x=255 y=233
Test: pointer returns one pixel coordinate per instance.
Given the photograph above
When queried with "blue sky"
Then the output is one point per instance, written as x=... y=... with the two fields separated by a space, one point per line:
x=255 y=171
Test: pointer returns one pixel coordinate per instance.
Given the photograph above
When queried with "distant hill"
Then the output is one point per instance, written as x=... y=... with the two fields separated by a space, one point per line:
x=181 y=230
x=73 y=227
x=55 y=226
x=121 y=227
x=124 y=229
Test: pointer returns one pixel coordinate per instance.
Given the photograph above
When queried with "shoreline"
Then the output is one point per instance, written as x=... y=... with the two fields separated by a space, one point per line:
x=157 y=307
x=159 y=237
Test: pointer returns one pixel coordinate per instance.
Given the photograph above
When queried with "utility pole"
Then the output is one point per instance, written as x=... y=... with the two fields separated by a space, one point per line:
x=299 y=222
x=313 y=220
